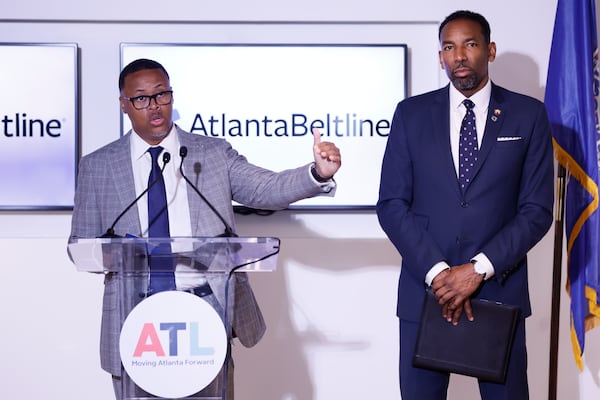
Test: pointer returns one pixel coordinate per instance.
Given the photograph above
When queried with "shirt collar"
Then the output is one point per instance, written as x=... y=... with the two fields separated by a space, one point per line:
x=481 y=98
x=139 y=147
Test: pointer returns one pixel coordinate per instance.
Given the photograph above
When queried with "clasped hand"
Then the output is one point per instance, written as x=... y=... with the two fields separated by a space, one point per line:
x=453 y=287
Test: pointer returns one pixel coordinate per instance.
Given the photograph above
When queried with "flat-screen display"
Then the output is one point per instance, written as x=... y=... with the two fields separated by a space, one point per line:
x=265 y=98
x=39 y=125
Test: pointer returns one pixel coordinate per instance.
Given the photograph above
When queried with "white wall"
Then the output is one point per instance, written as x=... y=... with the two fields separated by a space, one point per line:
x=330 y=307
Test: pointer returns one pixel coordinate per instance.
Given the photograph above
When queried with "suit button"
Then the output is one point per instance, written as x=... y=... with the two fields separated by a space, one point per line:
x=464 y=204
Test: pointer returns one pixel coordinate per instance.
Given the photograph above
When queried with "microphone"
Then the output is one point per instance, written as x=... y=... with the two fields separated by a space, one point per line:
x=110 y=232
x=228 y=231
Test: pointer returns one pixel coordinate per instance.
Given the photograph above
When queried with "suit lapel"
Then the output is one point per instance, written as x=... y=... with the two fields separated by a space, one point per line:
x=192 y=167
x=440 y=117
x=120 y=161
x=495 y=118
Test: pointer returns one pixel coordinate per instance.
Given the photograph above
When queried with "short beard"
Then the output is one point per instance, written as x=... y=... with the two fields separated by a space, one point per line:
x=466 y=83
x=161 y=135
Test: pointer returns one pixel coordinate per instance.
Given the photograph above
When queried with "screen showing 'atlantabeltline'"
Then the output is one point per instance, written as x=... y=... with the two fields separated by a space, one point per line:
x=266 y=98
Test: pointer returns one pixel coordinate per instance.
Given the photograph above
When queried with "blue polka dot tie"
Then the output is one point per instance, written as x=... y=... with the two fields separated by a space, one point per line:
x=468 y=150
x=161 y=264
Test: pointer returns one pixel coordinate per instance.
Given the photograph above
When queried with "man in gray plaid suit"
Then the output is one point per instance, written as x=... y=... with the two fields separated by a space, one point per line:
x=110 y=178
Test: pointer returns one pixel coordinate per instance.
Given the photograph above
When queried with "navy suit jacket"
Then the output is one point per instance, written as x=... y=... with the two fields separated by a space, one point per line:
x=504 y=212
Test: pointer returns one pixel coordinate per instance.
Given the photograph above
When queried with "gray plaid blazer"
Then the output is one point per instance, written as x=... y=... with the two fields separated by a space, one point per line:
x=105 y=187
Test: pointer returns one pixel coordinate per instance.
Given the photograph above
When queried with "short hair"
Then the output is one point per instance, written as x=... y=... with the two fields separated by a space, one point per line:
x=471 y=16
x=139 y=65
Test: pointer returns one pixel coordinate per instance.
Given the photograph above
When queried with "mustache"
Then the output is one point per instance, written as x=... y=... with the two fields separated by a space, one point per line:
x=462 y=64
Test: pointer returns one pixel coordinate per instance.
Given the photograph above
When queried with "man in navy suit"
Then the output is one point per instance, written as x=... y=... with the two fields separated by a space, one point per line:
x=466 y=240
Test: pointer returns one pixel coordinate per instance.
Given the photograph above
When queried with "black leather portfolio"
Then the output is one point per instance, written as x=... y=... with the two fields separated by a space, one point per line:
x=479 y=348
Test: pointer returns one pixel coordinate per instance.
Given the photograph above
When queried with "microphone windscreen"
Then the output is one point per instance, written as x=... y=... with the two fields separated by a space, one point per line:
x=183 y=151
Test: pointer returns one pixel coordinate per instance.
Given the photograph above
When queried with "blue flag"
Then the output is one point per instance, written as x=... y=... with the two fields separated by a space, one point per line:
x=571 y=98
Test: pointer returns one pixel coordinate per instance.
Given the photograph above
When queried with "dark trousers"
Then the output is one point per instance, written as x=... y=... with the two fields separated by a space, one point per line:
x=423 y=384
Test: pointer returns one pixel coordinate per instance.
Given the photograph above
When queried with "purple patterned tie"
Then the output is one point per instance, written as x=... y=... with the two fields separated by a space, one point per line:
x=468 y=150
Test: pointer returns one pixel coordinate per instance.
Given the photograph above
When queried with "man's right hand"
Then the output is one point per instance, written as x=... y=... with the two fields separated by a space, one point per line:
x=453 y=287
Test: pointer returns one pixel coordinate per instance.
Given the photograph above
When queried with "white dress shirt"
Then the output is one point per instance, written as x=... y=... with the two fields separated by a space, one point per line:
x=175 y=185
x=481 y=99
x=177 y=201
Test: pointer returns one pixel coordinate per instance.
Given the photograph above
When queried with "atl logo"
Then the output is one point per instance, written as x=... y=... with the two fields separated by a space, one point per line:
x=173 y=344
x=149 y=340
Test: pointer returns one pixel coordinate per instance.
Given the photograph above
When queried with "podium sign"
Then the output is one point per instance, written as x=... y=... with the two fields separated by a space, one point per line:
x=175 y=344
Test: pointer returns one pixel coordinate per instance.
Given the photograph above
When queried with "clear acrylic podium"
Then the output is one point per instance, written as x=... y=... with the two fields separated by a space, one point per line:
x=198 y=259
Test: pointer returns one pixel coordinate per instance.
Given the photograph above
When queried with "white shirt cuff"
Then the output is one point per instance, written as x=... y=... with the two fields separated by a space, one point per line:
x=484 y=266
x=435 y=270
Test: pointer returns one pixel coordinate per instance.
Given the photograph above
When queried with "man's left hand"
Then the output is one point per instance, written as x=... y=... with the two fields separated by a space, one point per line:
x=327 y=156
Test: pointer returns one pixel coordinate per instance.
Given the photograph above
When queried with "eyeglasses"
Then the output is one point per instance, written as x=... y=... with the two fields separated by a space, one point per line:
x=143 y=102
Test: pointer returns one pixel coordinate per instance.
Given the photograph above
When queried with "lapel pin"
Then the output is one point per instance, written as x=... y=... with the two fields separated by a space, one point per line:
x=497 y=113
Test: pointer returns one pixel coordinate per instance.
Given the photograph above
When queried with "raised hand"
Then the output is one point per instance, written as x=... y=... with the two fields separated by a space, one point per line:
x=327 y=156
